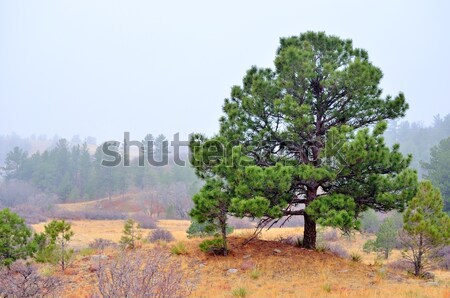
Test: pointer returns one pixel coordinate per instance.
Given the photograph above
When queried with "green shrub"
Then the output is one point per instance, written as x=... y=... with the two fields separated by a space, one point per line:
x=369 y=246
x=179 y=249
x=205 y=229
x=240 y=292
x=45 y=249
x=355 y=257
x=215 y=246
x=255 y=273
x=327 y=288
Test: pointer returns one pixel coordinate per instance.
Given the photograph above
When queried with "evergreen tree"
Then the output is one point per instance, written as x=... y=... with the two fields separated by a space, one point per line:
x=304 y=146
x=131 y=234
x=13 y=163
x=211 y=207
x=426 y=227
x=14 y=238
x=386 y=237
x=438 y=170
x=59 y=233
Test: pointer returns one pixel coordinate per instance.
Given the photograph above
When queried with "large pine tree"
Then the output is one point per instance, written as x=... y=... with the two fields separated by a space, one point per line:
x=301 y=139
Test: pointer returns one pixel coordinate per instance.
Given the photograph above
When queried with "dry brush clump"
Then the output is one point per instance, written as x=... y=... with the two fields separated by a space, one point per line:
x=160 y=235
x=87 y=214
x=442 y=258
x=338 y=250
x=145 y=221
x=331 y=235
x=23 y=280
x=152 y=274
x=101 y=244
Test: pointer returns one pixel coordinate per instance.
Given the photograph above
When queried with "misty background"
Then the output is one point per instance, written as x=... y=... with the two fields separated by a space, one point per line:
x=99 y=68
x=74 y=74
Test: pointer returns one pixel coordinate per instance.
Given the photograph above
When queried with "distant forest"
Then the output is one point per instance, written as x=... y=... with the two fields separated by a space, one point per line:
x=416 y=139
x=71 y=172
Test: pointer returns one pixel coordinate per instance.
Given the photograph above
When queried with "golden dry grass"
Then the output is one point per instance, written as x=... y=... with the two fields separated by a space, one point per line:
x=294 y=272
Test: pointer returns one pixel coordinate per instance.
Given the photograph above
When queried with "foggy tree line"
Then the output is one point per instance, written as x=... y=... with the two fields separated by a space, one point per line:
x=72 y=173
x=417 y=139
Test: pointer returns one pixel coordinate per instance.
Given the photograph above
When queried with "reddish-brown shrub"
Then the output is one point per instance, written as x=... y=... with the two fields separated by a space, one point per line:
x=23 y=280
x=143 y=274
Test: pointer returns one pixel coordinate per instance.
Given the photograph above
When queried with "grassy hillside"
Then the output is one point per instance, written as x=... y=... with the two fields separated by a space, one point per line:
x=265 y=267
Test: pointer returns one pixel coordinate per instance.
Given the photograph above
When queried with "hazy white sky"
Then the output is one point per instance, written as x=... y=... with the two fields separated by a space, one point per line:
x=104 y=67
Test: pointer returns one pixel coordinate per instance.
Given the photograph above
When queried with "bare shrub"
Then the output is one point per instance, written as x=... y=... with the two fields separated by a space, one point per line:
x=442 y=258
x=101 y=244
x=143 y=274
x=160 y=235
x=338 y=250
x=401 y=265
x=31 y=213
x=88 y=214
x=145 y=221
x=23 y=280
x=292 y=240
x=330 y=235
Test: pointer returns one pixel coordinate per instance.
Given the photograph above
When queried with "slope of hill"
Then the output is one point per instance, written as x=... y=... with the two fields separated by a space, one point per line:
x=265 y=267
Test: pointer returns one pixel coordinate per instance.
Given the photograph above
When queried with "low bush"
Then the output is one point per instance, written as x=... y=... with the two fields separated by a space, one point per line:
x=98 y=214
x=31 y=213
x=179 y=249
x=240 y=292
x=369 y=246
x=145 y=221
x=355 y=257
x=143 y=274
x=201 y=230
x=23 y=280
x=160 y=235
x=330 y=235
x=442 y=258
x=101 y=244
x=216 y=246
x=338 y=250
x=255 y=273
x=401 y=265
x=292 y=240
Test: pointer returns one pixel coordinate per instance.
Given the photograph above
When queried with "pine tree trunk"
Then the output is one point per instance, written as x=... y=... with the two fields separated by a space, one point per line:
x=309 y=233
x=224 y=238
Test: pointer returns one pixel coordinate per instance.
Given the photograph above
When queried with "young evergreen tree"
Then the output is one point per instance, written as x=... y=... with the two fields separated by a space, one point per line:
x=386 y=237
x=131 y=234
x=59 y=233
x=14 y=238
x=303 y=138
x=211 y=207
x=426 y=227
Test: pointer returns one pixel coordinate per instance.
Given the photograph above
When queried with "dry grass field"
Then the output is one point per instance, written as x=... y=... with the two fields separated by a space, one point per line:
x=262 y=272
